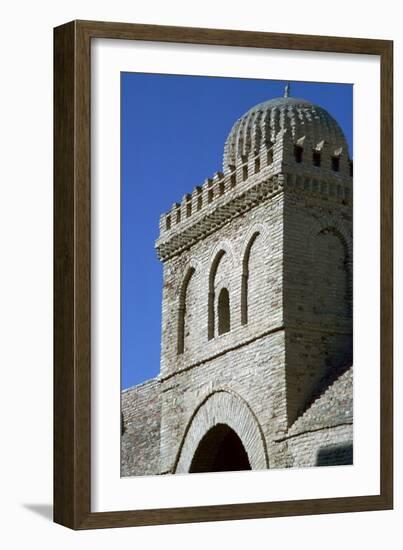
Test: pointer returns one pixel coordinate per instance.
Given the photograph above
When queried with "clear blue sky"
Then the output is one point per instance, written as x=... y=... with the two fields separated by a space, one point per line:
x=173 y=130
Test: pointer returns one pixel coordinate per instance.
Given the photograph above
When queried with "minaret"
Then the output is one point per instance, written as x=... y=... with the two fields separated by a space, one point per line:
x=257 y=276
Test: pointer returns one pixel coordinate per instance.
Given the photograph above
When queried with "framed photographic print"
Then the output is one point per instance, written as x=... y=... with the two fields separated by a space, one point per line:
x=223 y=257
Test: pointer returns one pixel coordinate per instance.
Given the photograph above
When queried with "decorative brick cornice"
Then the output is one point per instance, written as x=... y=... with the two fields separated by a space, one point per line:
x=228 y=201
x=223 y=207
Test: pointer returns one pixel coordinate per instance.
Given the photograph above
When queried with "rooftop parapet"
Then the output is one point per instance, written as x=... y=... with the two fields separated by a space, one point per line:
x=215 y=201
x=254 y=177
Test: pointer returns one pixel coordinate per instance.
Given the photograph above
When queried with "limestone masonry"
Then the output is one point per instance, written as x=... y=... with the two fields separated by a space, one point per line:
x=256 y=360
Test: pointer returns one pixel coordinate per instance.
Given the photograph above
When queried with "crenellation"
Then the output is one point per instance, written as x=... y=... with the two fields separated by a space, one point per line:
x=232 y=176
x=250 y=169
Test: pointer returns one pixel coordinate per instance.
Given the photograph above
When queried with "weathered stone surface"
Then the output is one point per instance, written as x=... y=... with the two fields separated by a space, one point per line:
x=334 y=407
x=141 y=422
x=257 y=305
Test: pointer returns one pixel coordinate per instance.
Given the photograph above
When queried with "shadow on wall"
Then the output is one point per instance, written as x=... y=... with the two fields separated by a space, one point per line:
x=336 y=455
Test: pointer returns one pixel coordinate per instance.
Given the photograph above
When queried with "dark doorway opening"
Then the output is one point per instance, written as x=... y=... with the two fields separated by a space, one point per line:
x=220 y=450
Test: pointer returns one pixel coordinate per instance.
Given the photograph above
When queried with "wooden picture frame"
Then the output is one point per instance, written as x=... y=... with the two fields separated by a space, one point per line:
x=72 y=269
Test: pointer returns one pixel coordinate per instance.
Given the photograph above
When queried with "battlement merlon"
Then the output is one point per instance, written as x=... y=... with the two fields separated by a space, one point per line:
x=254 y=178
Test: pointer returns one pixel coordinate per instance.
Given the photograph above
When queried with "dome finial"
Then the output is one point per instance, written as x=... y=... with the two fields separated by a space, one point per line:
x=287 y=90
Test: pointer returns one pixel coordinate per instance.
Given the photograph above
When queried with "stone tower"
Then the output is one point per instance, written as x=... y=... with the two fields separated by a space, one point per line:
x=257 y=301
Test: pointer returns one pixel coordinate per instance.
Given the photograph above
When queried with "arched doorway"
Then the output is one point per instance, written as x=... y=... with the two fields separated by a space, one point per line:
x=222 y=425
x=220 y=450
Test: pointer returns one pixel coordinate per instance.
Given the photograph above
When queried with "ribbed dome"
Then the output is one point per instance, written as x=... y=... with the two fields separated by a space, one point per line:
x=262 y=123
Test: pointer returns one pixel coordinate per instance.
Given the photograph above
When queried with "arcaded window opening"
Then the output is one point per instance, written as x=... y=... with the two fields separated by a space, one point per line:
x=298 y=153
x=335 y=164
x=232 y=175
x=233 y=179
x=245 y=172
x=316 y=158
x=223 y=312
x=182 y=310
x=270 y=157
x=244 y=282
x=211 y=295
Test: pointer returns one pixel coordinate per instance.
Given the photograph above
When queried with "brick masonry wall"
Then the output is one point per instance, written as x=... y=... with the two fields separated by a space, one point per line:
x=311 y=355
x=333 y=406
x=317 y=292
x=275 y=370
x=254 y=372
x=231 y=241
x=245 y=360
x=318 y=260
x=140 y=441
x=326 y=447
x=323 y=434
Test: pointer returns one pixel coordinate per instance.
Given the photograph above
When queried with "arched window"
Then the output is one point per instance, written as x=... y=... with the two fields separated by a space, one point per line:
x=298 y=152
x=316 y=158
x=211 y=294
x=245 y=280
x=220 y=275
x=336 y=164
x=223 y=311
x=332 y=291
x=182 y=310
x=244 y=172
